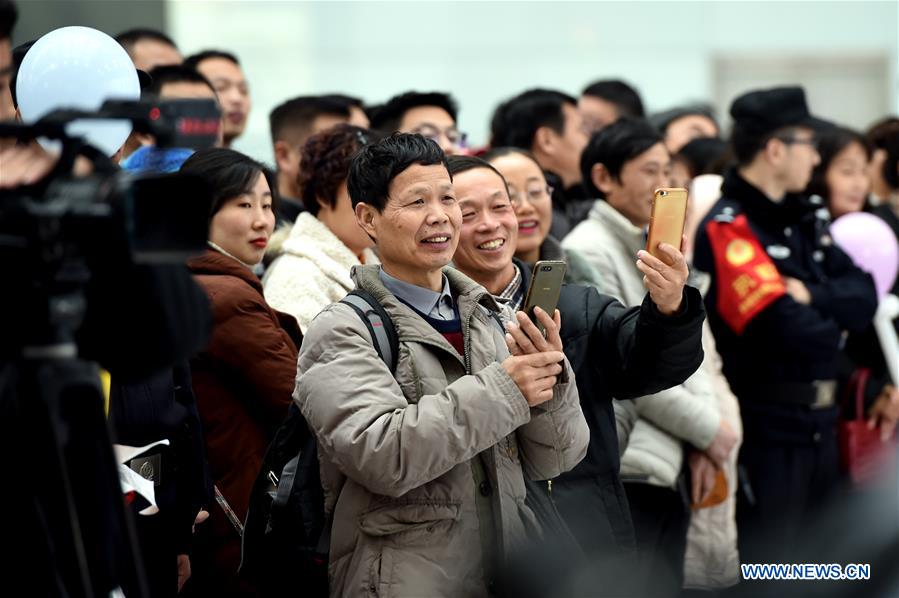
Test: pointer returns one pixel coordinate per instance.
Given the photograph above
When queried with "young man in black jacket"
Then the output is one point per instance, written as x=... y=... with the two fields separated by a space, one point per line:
x=615 y=352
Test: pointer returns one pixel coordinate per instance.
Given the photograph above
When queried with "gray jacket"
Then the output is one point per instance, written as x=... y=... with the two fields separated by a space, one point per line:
x=424 y=470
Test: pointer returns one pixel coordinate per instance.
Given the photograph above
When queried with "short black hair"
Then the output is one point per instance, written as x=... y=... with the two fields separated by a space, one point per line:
x=498 y=152
x=662 y=120
x=127 y=39
x=194 y=60
x=625 y=98
x=703 y=155
x=747 y=143
x=301 y=111
x=459 y=164
x=387 y=117
x=830 y=143
x=228 y=173
x=614 y=146
x=377 y=164
x=8 y=17
x=174 y=73
x=884 y=135
x=515 y=121
x=882 y=131
x=371 y=110
x=348 y=101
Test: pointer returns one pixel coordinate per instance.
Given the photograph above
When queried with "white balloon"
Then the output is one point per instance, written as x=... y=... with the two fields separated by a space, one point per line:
x=80 y=68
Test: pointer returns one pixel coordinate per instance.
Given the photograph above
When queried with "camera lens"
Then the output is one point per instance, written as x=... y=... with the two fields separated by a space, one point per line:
x=546 y=268
x=662 y=193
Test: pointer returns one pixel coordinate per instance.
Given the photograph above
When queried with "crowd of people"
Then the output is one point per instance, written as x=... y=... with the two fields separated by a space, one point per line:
x=679 y=412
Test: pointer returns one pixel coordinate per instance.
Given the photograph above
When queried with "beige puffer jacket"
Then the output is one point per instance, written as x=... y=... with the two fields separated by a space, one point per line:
x=661 y=422
x=424 y=471
x=711 y=560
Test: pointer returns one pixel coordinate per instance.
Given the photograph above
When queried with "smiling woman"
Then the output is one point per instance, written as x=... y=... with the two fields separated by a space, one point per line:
x=531 y=199
x=244 y=378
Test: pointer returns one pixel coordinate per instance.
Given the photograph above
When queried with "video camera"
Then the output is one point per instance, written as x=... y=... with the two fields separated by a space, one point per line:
x=94 y=270
x=161 y=217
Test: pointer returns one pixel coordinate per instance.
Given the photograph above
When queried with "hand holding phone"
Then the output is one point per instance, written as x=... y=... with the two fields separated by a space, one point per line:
x=665 y=281
x=546 y=284
x=666 y=225
x=535 y=374
x=524 y=338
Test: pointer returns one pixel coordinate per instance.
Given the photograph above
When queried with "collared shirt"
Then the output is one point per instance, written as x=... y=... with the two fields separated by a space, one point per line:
x=436 y=305
x=513 y=293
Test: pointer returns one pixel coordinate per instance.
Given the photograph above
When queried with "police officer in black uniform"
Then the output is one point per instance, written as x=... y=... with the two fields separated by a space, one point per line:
x=782 y=297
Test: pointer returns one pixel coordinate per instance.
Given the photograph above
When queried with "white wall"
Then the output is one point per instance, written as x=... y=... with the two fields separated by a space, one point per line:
x=486 y=51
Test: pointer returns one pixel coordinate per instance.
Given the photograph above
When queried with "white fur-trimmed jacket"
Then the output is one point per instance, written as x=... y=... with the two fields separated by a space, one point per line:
x=311 y=272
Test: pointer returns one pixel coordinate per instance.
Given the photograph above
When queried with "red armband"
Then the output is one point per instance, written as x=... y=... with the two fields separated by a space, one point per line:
x=748 y=281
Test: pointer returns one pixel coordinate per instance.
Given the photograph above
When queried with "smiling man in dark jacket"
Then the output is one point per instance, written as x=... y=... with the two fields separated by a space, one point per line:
x=614 y=351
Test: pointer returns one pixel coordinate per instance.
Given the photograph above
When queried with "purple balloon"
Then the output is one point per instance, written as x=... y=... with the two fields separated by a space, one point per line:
x=871 y=244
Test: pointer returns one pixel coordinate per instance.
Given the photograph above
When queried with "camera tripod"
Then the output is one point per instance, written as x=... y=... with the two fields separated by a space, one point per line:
x=69 y=533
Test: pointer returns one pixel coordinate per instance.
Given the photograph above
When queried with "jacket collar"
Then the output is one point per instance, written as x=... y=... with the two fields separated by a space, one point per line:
x=309 y=237
x=216 y=263
x=551 y=249
x=563 y=194
x=468 y=294
x=620 y=227
x=525 y=273
x=760 y=209
x=422 y=299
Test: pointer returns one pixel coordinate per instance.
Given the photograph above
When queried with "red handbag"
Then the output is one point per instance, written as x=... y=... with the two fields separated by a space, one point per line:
x=864 y=456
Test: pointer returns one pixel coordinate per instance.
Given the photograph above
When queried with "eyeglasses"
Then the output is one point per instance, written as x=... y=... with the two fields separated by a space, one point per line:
x=533 y=196
x=809 y=141
x=453 y=135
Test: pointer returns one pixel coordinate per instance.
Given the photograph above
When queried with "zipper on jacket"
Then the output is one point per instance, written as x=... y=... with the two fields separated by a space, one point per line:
x=466 y=341
x=466 y=333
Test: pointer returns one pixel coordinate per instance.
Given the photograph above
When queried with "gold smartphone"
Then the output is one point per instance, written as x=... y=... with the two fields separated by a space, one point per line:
x=666 y=225
x=546 y=284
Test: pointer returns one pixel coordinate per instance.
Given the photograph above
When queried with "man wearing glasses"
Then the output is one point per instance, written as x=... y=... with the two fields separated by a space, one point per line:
x=432 y=115
x=782 y=295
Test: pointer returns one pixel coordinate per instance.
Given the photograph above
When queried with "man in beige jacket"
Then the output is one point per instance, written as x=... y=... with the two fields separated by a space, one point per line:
x=424 y=469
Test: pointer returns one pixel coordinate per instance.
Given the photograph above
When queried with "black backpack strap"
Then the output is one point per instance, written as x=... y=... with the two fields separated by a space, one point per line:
x=286 y=481
x=379 y=324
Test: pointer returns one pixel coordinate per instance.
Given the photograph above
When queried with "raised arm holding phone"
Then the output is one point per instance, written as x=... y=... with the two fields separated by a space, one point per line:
x=614 y=352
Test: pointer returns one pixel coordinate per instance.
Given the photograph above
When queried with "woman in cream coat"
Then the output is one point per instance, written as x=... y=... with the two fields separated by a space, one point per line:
x=312 y=267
